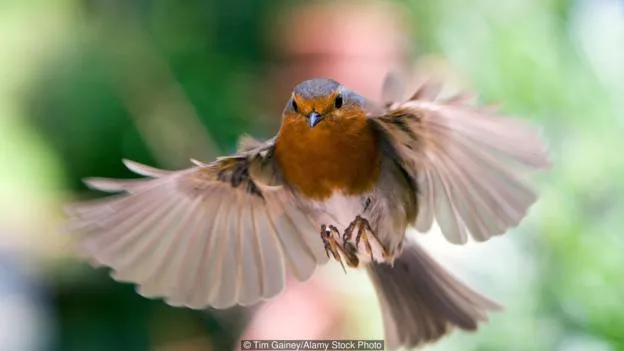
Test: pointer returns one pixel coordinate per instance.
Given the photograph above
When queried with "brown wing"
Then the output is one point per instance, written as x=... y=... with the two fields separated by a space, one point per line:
x=217 y=234
x=466 y=163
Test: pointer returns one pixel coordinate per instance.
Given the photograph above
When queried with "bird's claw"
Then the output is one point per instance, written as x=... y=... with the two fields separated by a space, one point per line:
x=365 y=234
x=346 y=251
x=331 y=235
x=331 y=245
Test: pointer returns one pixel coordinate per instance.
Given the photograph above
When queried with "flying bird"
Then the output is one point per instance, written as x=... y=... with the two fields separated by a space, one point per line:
x=343 y=180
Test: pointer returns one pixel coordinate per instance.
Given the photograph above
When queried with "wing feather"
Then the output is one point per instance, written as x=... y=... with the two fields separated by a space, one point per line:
x=273 y=261
x=249 y=276
x=217 y=234
x=141 y=256
x=194 y=287
x=467 y=163
x=223 y=282
x=165 y=277
x=300 y=258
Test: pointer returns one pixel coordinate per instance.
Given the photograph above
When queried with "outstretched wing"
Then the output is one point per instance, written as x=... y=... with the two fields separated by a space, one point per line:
x=216 y=234
x=466 y=163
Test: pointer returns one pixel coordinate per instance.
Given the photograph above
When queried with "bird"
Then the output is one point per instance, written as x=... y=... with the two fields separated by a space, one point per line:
x=345 y=179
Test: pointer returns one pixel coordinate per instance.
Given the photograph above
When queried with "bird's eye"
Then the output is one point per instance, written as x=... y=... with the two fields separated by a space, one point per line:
x=294 y=105
x=338 y=101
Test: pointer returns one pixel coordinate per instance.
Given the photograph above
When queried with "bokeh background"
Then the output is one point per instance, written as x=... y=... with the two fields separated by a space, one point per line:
x=84 y=83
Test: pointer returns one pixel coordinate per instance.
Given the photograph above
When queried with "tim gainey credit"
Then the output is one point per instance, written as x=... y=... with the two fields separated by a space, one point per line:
x=313 y=345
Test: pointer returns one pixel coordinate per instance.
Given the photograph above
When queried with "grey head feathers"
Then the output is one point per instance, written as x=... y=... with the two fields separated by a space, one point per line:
x=315 y=88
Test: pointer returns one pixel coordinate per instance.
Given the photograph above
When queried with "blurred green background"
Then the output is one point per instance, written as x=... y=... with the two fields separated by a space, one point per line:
x=85 y=83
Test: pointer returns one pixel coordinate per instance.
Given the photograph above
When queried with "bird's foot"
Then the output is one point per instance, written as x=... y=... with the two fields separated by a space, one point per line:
x=345 y=249
x=331 y=240
x=366 y=235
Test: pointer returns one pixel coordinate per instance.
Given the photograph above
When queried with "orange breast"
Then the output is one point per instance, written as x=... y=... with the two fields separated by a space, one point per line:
x=339 y=154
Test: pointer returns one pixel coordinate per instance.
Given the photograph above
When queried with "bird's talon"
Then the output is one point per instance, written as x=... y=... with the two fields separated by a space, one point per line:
x=330 y=236
x=351 y=256
x=366 y=235
x=347 y=251
x=348 y=232
x=327 y=250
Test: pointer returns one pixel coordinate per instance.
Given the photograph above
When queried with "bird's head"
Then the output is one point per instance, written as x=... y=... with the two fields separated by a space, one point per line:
x=322 y=101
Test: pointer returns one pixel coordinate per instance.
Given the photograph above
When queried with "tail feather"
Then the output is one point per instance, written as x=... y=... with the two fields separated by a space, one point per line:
x=421 y=301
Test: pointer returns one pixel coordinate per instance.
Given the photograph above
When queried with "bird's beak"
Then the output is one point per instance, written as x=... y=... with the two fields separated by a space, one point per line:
x=313 y=119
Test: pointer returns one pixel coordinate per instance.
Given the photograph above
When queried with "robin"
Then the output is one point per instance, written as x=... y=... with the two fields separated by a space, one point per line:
x=343 y=179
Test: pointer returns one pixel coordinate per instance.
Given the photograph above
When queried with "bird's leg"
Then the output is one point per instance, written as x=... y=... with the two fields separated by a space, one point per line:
x=331 y=246
x=331 y=236
x=362 y=235
x=348 y=232
x=366 y=234
x=351 y=255
x=347 y=250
